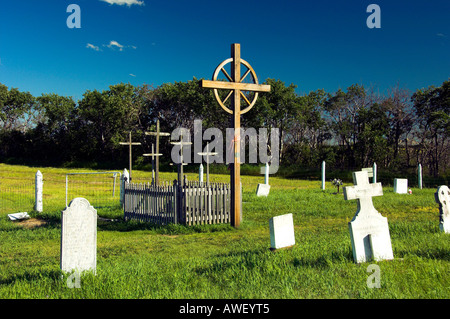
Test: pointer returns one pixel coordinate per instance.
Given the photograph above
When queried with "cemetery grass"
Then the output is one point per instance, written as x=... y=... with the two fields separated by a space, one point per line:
x=140 y=260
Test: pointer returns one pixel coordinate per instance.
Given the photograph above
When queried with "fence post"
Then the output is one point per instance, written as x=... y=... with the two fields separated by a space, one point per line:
x=374 y=177
x=200 y=173
x=125 y=178
x=419 y=173
x=176 y=196
x=323 y=175
x=38 y=190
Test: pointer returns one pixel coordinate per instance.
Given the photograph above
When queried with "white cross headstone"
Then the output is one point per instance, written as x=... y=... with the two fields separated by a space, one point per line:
x=281 y=231
x=264 y=189
x=369 y=230
x=400 y=185
x=79 y=237
x=442 y=197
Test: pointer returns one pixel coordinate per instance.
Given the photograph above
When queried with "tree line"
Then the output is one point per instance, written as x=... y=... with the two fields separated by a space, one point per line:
x=347 y=128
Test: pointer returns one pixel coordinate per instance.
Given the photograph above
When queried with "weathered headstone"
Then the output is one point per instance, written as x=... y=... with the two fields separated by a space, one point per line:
x=79 y=237
x=442 y=197
x=400 y=185
x=281 y=231
x=264 y=189
x=369 y=230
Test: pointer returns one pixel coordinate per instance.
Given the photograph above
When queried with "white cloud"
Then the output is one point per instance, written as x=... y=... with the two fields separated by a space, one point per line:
x=441 y=35
x=93 y=47
x=115 y=44
x=131 y=74
x=122 y=2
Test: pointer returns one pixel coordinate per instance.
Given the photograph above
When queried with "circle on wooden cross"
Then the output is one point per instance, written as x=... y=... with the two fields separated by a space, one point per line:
x=249 y=97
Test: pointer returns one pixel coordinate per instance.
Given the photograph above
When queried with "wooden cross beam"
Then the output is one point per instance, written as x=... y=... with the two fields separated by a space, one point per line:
x=157 y=134
x=236 y=87
x=153 y=155
x=130 y=143
x=207 y=154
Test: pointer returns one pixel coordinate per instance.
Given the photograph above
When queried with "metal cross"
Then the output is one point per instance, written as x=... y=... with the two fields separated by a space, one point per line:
x=157 y=134
x=236 y=87
x=130 y=143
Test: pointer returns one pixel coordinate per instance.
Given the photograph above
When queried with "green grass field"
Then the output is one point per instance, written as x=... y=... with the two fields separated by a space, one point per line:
x=136 y=260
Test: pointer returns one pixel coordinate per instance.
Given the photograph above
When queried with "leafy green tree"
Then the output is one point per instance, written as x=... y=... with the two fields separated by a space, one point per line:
x=432 y=106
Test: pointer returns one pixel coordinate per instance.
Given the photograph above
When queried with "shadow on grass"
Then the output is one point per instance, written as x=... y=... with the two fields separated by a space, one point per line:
x=170 y=229
x=324 y=261
x=54 y=275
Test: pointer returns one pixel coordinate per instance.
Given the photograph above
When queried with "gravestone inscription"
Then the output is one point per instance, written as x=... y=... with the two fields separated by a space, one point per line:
x=79 y=237
x=281 y=231
x=400 y=185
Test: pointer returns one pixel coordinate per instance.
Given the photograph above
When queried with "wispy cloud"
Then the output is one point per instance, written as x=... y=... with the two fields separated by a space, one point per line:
x=441 y=35
x=115 y=44
x=124 y=2
x=131 y=74
x=93 y=47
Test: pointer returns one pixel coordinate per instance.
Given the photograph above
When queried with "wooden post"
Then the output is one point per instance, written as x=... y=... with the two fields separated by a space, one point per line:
x=157 y=134
x=153 y=155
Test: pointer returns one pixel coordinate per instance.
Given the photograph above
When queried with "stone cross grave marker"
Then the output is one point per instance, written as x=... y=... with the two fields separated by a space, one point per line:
x=369 y=230
x=79 y=237
x=130 y=144
x=400 y=185
x=264 y=189
x=236 y=87
x=158 y=134
x=442 y=197
x=281 y=231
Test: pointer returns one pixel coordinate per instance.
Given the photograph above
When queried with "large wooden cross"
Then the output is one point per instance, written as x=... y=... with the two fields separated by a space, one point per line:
x=236 y=86
x=130 y=143
x=157 y=134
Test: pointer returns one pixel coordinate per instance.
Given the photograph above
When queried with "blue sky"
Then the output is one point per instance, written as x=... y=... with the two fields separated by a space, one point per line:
x=313 y=44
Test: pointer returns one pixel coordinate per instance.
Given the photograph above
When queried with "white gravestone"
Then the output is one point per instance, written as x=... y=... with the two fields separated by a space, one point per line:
x=79 y=237
x=264 y=189
x=281 y=231
x=400 y=185
x=369 y=230
x=442 y=197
